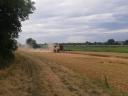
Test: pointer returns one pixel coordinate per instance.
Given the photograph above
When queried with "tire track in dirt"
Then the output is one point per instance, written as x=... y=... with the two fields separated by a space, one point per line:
x=75 y=83
x=29 y=67
x=44 y=81
x=50 y=83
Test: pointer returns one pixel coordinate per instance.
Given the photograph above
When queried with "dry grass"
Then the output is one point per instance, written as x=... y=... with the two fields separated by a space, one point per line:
x=14 y=81
x=114 y=67
x=43 y=74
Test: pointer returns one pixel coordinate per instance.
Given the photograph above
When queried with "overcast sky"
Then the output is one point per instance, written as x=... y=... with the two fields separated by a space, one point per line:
x=77 y=21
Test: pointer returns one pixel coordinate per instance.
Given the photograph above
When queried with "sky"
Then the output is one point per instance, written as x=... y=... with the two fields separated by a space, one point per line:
x=76 y=21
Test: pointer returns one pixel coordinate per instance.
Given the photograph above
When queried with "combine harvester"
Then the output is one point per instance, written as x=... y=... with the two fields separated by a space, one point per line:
x=56 y=47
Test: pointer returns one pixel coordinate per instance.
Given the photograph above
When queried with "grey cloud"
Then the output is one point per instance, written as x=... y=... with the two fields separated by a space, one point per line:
x=76 y=20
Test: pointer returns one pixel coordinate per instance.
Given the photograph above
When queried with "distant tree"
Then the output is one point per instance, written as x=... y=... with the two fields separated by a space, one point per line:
x=111 y=41
x=12 y=12
x=31 y=42
x=88 y=43
x=126 y=42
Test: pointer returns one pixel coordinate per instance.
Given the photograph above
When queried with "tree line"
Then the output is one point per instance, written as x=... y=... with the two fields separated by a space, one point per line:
x=108 y=42
x=33 y=43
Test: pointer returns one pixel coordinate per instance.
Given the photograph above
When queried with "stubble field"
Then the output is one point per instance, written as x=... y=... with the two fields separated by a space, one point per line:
x=111 y=67
x=43 y=73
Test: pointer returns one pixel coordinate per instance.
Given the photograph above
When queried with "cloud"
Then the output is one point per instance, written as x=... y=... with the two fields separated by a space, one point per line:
x=79 y=20
x=76 y=39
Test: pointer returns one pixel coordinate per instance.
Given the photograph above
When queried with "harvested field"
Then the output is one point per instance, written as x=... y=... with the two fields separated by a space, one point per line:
x=97 y=66
x=64 y=74
x=30 y=75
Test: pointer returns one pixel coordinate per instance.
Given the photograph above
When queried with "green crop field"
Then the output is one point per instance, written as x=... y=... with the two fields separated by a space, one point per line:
x=96 y=48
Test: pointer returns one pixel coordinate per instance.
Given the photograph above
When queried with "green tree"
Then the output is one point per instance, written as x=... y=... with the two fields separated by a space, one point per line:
x=31 y=42
x=111 y=41
x=126 y=42
x=12 y=12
